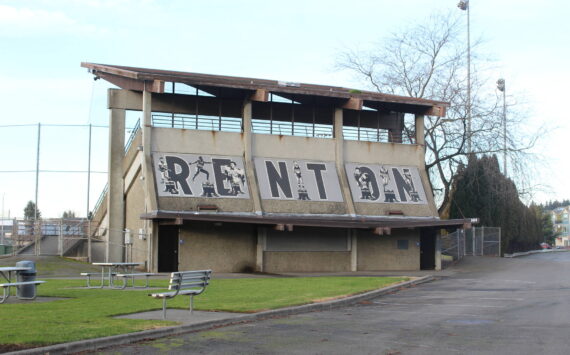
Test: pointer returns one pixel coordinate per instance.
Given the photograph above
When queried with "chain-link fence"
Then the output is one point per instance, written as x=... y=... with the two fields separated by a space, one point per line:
x=476 y=241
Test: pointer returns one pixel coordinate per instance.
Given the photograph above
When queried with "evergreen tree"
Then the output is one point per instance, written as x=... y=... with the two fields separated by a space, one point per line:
x=68 y=214
x=482 y=191
x=30 y=211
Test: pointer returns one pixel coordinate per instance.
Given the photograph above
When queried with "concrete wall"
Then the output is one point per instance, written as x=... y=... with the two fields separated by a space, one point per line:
x=380 y=252
x=322 y=261
x=225 y=248
x=134 y=207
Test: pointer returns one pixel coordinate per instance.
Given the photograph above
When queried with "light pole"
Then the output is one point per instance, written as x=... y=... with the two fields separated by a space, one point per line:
x=501 y=86
x=464 y=5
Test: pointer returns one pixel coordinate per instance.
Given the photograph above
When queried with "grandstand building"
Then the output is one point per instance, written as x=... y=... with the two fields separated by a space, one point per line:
x=241 y=174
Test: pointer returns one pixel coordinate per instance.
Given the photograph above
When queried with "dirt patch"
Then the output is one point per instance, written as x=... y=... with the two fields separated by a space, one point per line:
x=4 y=348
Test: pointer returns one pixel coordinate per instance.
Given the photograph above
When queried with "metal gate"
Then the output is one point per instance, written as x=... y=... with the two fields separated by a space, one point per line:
x=476 y=241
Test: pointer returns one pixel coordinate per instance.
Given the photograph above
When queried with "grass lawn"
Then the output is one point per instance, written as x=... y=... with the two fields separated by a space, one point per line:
x=87 y=313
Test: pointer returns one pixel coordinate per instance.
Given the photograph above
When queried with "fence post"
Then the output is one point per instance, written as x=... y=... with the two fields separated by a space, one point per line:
x=60 y=239
x=89 y=240
x=500 y=241
x=38 y=237
x=15 y=236
x=457 y=237
x=483 y=241
x=473 y=237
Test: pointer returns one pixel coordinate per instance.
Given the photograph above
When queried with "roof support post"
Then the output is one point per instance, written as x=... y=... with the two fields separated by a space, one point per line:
x=421 y=152
x=260 y=248
x=339 y=160
x=420 y=127
x=116 y=201
x=353 y=249
x=248 y=154
x=149 y=186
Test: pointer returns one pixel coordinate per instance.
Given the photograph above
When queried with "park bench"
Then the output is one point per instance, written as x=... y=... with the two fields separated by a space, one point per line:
x=188 y=283
x=132 y=276
x=6 y=289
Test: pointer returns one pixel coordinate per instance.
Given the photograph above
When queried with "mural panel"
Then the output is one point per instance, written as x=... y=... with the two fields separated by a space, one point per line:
x=376 y=183
x=288 y=179
x=191 y=175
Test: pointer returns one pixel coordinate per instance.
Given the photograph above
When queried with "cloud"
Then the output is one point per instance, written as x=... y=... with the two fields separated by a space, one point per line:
x=25 y=22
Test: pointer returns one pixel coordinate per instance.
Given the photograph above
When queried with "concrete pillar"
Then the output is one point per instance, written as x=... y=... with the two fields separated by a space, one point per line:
x=248 y=148
x=339 y=160
x=437 y=252
x=149 y=186
x=116 y=200
x=261 y=235
x=153 y=247
x=420 y=138
x=353 y=250
x=420 y=141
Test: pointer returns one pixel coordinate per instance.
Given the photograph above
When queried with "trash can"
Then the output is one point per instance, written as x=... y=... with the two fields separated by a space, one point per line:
x=27 y=291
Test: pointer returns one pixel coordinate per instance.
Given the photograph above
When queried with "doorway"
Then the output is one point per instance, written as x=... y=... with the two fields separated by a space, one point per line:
x=427 y=248
x=168 y=248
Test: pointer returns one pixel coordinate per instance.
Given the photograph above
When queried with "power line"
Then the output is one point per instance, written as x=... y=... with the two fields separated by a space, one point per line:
x=52 y=171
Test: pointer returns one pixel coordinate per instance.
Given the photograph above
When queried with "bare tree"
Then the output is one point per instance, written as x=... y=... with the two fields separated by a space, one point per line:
x=428 y=60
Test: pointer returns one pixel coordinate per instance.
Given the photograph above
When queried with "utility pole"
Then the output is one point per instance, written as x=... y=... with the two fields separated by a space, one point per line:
x=464 y=5
x=501 y=87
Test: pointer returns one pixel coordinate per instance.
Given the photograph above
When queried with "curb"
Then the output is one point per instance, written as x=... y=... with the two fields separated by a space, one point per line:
x=525 y=253
x=98 y=343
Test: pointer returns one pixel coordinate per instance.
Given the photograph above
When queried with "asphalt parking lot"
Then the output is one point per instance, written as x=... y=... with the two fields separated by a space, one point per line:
x=483 y=306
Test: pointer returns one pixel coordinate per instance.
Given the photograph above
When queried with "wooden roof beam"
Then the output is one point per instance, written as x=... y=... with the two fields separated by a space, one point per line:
x=260 y=95
x=353 y=103
x=438 y=111
x=155 y=86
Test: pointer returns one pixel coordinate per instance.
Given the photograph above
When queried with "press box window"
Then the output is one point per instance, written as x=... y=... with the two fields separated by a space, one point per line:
x=403 y=244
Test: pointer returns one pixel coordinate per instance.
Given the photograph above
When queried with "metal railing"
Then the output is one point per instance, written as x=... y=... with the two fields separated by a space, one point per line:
x=100 y=199
x=206 y=123
x=292 y=128
x=302 y=129
x=365 y=134
x=134 y=132
x=53 y=236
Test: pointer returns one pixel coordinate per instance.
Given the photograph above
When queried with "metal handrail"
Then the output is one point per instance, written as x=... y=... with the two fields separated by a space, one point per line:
x=134 y=132
x=101 y=198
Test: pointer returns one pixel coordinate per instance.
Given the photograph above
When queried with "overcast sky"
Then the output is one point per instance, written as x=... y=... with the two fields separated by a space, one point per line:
x=43 y=42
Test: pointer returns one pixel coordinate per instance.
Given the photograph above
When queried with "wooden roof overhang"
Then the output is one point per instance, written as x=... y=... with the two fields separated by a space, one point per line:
x=329 y=221
x=139 y=79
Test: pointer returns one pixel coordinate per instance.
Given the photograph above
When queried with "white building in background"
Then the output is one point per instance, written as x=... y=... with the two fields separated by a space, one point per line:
x=561 y=223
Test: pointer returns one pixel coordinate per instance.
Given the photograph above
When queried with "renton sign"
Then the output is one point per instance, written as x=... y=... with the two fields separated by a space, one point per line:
x=191 y=175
